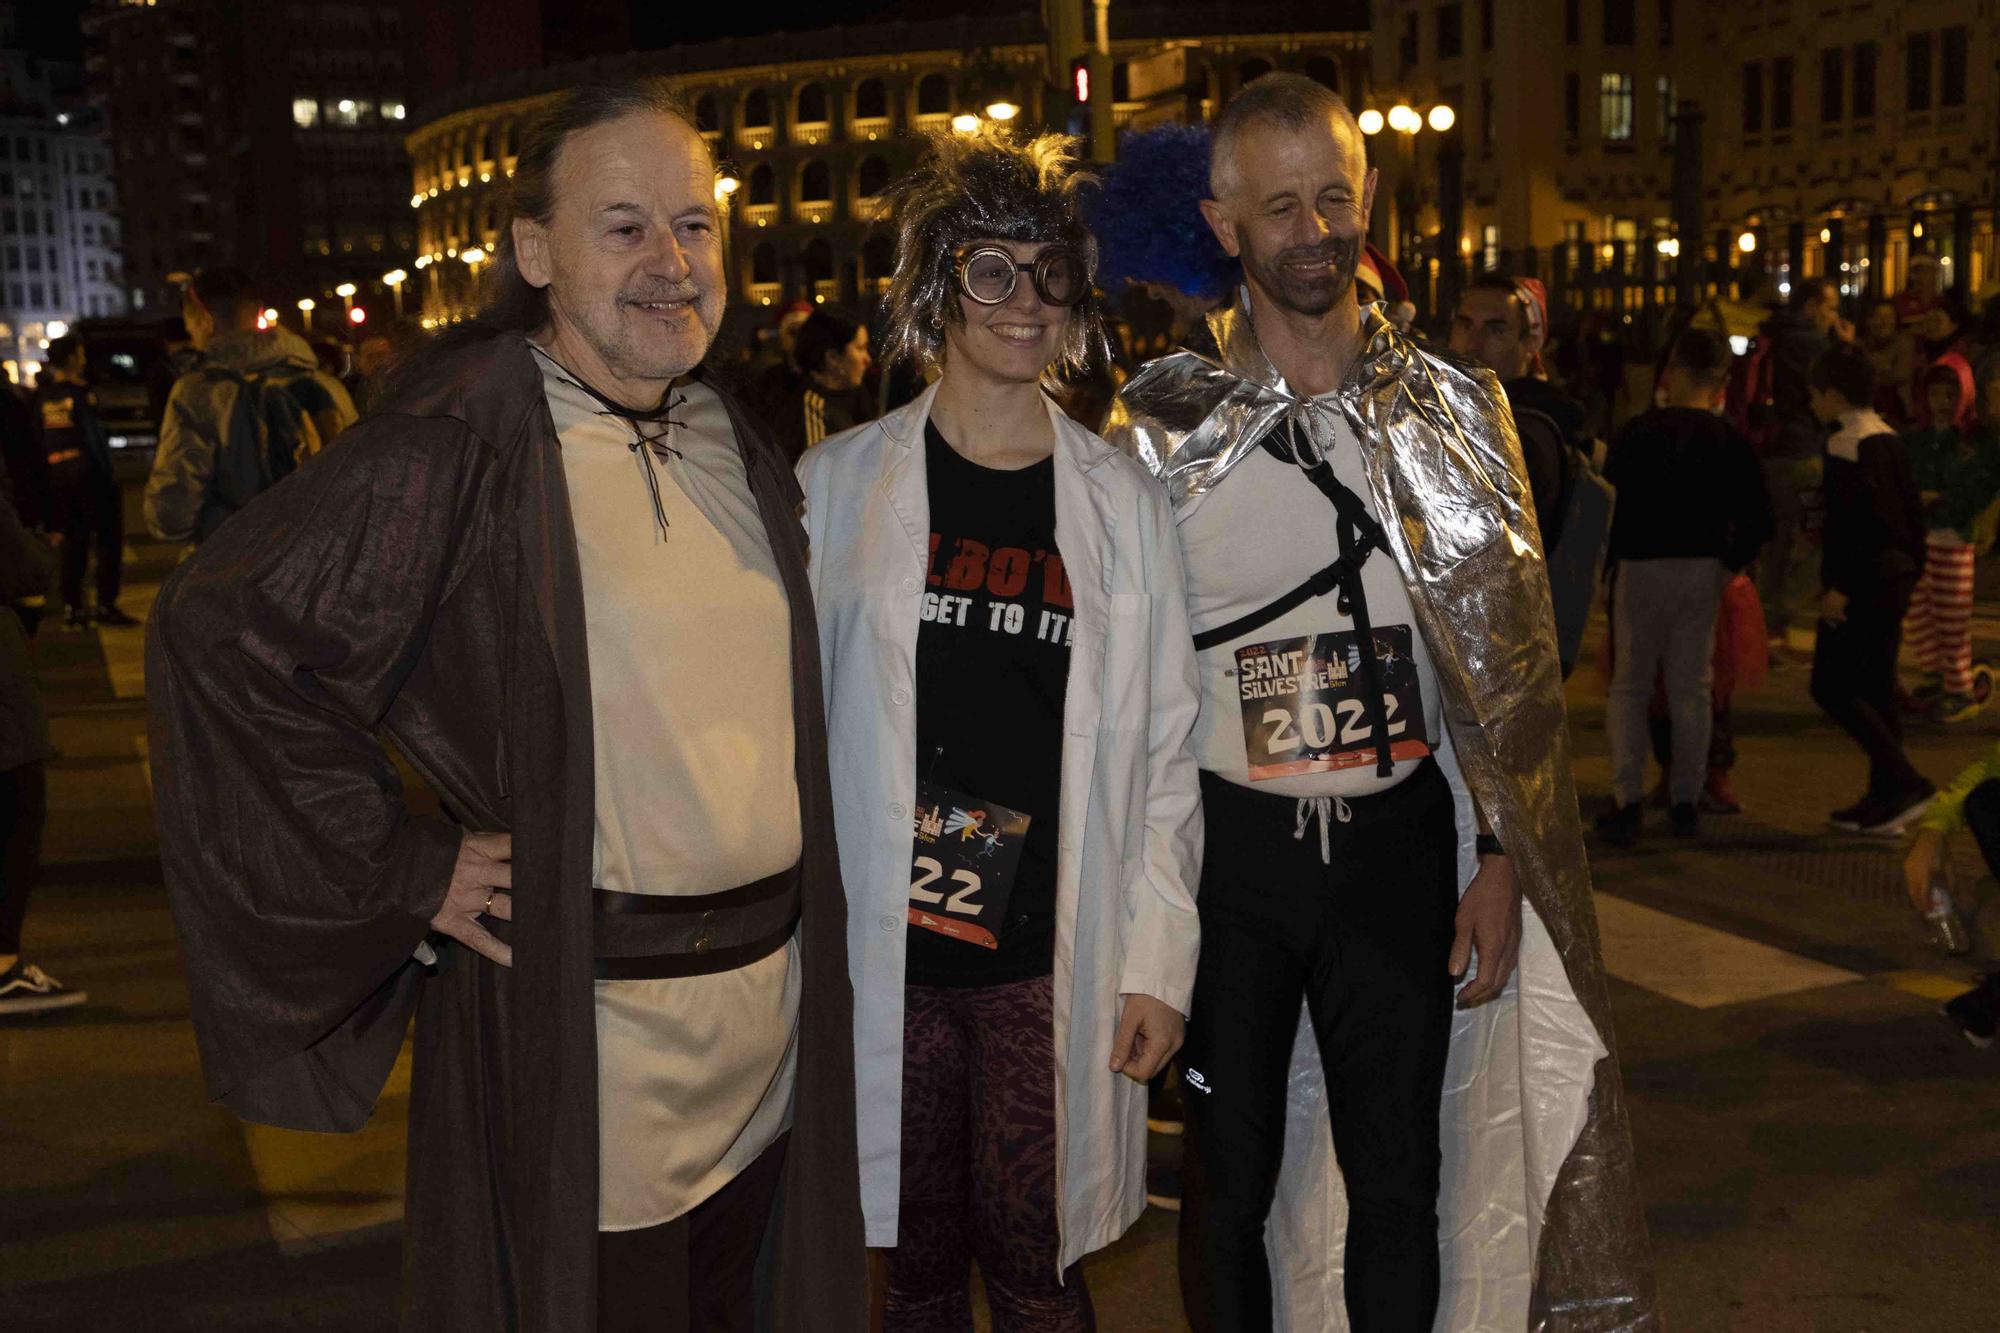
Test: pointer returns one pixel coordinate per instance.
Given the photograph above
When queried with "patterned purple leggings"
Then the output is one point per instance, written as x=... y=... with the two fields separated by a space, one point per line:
x=979 y=1165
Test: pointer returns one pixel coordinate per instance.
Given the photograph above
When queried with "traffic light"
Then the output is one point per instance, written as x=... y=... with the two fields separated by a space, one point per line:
x=1079 y=80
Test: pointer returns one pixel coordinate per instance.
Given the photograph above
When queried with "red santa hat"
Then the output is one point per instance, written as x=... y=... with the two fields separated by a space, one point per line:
x=1380 y=276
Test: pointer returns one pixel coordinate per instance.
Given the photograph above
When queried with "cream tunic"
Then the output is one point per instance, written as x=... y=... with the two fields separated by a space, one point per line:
x=691 y=701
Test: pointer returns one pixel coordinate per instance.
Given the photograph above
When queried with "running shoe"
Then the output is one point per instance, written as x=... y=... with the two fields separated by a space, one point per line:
x=116 y=619
x=26 y=989
x=1887 y=818
x=1976 y=1014
x=1683 y=819
x=1718 y=794
x=1848 y=818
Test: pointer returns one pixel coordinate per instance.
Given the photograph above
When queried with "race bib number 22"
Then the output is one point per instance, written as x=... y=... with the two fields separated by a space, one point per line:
x=962 y=868
x=1304 y=708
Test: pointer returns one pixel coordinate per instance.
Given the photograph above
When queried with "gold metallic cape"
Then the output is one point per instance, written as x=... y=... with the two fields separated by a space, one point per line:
x=1535 y=1107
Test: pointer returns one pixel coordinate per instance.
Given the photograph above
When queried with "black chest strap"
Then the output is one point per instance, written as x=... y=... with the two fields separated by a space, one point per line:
x=1359 y=537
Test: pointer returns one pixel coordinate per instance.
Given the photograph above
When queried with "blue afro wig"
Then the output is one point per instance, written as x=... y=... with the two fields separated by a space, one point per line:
x=1147 y=216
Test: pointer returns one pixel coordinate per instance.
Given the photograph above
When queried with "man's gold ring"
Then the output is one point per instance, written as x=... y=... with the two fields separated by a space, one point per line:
x=489 y=903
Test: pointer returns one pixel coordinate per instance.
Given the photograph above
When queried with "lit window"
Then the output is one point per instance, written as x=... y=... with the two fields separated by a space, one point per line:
x=1615 y=107
x=305 y=112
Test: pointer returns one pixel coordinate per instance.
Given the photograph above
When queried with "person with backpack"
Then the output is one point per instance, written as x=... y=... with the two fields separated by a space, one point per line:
x=1692 y=513
x=83 y=493
x=1502 y=323
x=257 y=407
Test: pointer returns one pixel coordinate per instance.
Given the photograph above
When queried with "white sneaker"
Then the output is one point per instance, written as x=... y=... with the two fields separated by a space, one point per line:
x=26 y=989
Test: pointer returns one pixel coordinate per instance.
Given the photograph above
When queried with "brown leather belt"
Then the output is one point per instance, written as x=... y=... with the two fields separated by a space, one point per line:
x=648 y=936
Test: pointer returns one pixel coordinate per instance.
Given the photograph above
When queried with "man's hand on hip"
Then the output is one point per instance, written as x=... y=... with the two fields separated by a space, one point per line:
x=1489 y=920
x=479 y=884
x=1149 y=1032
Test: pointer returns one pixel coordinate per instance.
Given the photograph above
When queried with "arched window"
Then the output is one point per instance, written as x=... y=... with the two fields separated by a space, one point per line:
x=764 y=263
x=818 y=258
x=1322 y=69
x=871 y=100
x=707 y=116
x=815 y=183
x=812 y=104
x=1253 y=68
x=757 y=110
x=872 y=178
x=933 y=95
x=763 y=184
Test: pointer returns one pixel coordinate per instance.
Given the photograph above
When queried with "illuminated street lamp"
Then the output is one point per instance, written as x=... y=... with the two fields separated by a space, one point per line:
x=1747 y=242
x=1002 y=110
x=394 y=280
x=1370 y=121
x=1404 y=119
x=1442 y=117
x=727 y=186
x=965 y=123
x=271 y=315
x=345 y=291
x=306 y=304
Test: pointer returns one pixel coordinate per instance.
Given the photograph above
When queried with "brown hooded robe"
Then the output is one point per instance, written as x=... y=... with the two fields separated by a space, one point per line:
x=421 y=578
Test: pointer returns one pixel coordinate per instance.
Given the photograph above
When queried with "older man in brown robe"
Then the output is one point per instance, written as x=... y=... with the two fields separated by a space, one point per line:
x=565 y=578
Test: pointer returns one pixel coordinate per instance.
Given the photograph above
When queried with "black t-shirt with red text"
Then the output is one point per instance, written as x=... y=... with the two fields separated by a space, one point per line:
x=992 y=669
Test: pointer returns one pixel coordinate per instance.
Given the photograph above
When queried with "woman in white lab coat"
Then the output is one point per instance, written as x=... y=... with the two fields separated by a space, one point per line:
x=1010 y=688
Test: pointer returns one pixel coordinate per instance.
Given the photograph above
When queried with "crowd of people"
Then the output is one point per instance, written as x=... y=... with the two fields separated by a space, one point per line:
x=868 y=763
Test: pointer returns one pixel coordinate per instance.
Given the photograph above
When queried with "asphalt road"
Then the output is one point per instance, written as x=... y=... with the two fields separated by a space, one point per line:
x=1818 y=1150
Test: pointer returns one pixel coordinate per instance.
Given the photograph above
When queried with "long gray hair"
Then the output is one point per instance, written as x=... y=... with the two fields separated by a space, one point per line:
x=979 y=187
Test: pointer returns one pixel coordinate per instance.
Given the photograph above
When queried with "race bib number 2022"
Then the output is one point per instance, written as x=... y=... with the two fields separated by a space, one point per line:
x=1304 y=707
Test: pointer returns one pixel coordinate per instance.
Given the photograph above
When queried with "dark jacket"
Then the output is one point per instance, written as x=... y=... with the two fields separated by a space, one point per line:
x=421 y=582
x=1688 y=486
x=1795 y=345
x=798 y=415
x=1873 y=545
x=74 y=440
x=26 y=568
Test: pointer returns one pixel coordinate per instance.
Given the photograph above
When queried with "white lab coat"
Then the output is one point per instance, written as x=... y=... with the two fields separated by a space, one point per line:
x=1130 y=847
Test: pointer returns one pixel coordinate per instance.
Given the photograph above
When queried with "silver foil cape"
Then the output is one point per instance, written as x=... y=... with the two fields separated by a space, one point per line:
x=1444 y=463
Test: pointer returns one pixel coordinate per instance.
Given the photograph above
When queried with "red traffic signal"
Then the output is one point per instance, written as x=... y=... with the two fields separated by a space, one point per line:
x=358 y=315
x=1079 y=80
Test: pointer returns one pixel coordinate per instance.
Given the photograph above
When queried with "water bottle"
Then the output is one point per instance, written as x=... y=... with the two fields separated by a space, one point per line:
x=1948 y=930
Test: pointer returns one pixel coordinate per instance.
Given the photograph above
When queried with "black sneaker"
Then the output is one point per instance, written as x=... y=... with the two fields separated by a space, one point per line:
x=1163 y=1185
x=1684 y=820
x=1848 y=818
x=26 y=989
x=1888 y=817
x=116 y=619
x=1621 y=823
x=1977 y=1012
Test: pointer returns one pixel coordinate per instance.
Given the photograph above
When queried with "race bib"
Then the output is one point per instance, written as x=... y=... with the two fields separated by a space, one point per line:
x=967 y=851
x=1304 y=708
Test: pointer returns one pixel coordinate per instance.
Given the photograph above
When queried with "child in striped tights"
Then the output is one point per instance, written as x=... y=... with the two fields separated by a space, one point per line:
x=1956 y=466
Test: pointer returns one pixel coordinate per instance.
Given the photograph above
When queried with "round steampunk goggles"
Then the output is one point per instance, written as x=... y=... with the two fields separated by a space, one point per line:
x=989 y=273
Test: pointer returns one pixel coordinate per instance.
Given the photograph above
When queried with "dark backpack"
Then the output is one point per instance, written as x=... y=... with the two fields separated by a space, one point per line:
x=1574 y=551
x=269 y=433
